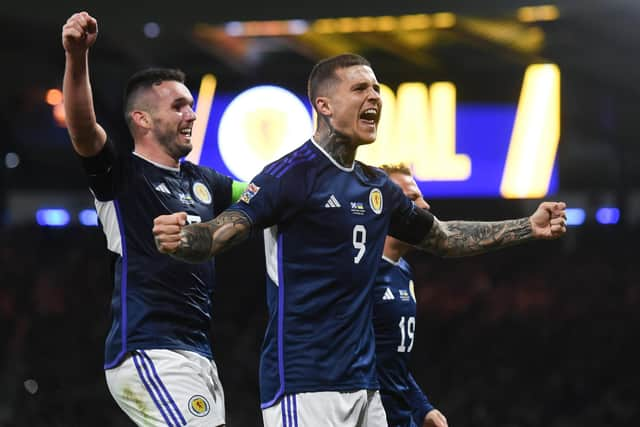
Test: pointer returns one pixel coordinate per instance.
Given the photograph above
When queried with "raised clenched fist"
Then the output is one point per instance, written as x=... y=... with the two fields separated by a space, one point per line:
x=79 y=33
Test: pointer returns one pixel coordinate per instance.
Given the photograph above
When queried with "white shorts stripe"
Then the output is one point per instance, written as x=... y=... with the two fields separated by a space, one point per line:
x=137 y=359
x=360 y=408
x=175 y=388
x=283 y=411
x=287 y=399
x=163 y=388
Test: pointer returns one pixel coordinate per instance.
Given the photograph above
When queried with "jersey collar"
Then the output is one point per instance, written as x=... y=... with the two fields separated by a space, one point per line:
x=169 y=168
x=390 y=261
x=338 y=165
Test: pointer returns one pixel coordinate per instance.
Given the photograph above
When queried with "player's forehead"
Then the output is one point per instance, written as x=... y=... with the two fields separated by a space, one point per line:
x=357 y=74
x=171 y=90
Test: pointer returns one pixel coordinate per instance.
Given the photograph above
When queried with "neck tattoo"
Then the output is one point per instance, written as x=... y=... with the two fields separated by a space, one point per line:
x=337 y=144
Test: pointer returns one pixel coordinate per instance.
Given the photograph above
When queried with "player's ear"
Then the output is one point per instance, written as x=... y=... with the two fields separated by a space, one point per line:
x=322 y=106
x=141 y=119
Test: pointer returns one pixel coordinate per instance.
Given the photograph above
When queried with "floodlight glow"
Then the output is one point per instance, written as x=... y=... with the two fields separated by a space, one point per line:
x=234 y=28
x=575 y=216
x=52 y=217
x=151 y=30
x=298 y=26
x=535 y=136
x=608 y=215
x=203 y=111
x=11 y=160
x=53 y=97
x=260 y=125
x=88 y=217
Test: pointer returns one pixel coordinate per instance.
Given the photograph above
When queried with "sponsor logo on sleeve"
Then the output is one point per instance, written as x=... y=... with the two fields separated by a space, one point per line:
x=249 y=193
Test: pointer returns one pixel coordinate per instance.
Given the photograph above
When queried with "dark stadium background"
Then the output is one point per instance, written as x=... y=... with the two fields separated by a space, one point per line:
x=544 y=334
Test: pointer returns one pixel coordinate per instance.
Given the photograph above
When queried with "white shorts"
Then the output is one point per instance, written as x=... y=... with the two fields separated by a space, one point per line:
x=168 y=388
x=362 y=408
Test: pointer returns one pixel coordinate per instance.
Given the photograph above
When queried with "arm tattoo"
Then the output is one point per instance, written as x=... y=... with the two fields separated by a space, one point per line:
x=464 y=238
x=200 y=242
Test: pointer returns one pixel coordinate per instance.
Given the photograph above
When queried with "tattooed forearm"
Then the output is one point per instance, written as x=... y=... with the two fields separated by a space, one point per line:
x=200 y=242
x=464 y=238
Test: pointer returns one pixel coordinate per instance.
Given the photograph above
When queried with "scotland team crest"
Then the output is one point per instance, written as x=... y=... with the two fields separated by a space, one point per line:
x=202 y=193
x=199 y=406
x=375 y=200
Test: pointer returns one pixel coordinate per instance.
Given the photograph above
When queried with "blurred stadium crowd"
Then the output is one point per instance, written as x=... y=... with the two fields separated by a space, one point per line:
x=543 y=334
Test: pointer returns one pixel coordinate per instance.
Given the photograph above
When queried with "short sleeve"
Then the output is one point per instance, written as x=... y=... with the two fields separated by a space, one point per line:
x=409 y=223
x=270 y=200
x=106 y=171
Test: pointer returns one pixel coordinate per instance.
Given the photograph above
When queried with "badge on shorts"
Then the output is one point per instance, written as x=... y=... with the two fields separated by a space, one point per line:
x=202 y=192
x=199 y=406
x=375 y=200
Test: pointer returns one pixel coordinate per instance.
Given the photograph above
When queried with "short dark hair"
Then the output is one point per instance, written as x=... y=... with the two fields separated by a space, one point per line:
x=396 y=168
x=144 y=79
x=325 y=71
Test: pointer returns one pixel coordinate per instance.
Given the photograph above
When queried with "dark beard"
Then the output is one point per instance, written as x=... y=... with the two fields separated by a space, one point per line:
x=168 y=141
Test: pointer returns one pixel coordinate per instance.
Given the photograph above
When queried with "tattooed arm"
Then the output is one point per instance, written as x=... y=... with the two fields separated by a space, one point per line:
x=199 y=242
x=464 y=238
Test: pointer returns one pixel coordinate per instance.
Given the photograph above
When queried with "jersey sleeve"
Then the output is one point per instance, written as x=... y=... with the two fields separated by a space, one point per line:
x=270 y=200
x=106 y=171
x=419 y=402
x=409 y=223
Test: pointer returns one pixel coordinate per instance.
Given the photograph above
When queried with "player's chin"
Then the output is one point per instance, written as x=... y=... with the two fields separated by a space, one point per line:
x=185 y=148
x=366 y=138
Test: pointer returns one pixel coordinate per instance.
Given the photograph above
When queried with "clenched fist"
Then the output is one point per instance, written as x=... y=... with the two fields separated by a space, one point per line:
x=79 y=33
x=167 y=231
x=549 y=221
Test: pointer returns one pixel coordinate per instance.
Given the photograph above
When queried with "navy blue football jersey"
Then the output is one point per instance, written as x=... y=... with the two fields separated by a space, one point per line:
x=157 y=302
x=325 y=227
x=394 y=321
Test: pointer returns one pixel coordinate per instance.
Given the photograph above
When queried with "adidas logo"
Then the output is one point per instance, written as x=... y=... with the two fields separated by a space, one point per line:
x=388 y=295
x=332 y=202
x=162 y=188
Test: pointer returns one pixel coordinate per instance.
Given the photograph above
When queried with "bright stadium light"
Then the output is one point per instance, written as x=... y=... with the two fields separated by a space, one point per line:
x=151 y=30
x=260 y=125
x=608 y=215
x=88 y=217
x=52 y=217
x=575 y=216
x=11 y=160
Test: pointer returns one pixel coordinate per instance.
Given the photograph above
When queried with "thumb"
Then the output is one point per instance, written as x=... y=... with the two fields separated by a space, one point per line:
x=92 y=25
x=181 y=218
x=558 y=208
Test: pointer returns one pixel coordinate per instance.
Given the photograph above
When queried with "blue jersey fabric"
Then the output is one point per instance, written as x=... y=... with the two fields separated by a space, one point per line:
x=157 y=302
x=394 y=316
x=325 y=230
